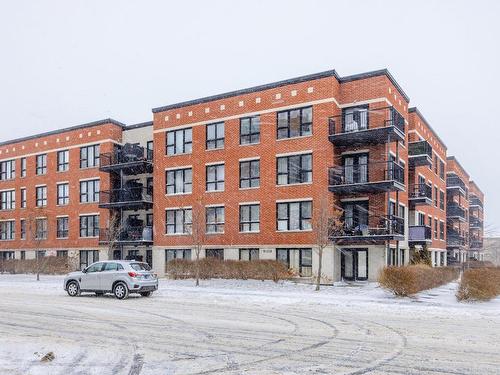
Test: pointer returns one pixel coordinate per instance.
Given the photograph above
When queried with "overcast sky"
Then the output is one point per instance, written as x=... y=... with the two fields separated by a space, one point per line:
x=68 y=62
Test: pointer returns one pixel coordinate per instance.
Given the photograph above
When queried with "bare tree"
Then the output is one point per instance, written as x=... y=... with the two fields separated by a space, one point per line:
x=115 y=230
x=326 y=224
x=37 y=229
x=198 y=234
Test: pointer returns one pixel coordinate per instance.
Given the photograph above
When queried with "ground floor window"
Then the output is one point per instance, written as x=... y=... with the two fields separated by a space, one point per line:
x=354 y=264
x=391 y=257
x=297 y=259
x=5 y=255
x=23 y=254
x=41 y=253
x=62 y=253
x=171 y=254
x=134 y=255
x=402 y=258
x=215 y=253
x=249 y=254
x=88 y=257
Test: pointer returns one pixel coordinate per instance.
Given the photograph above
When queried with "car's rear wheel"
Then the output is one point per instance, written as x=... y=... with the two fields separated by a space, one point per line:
x=146 y=294
x=73 y=289
x=120 y=291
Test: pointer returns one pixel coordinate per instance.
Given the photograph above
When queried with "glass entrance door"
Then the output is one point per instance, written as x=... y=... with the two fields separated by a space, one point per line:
x=354 y=264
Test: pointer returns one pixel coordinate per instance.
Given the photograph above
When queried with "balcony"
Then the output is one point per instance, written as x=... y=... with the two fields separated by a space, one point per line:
x=455 y=182
x=454 y=211
x=135 y=236
x=375 y=228
x=420 y=194
x=131 y=159
x=420 y=234
x=454 y=239
x=476 y=244
x=419 y=154
x=361 y=126
x=366 y=178
x=475 y=222
x=476 y=202
x=127 y=198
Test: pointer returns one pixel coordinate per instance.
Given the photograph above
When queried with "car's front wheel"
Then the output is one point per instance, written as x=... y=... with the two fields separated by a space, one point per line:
x=120 y=291
x=146 y=294
x=73 y=289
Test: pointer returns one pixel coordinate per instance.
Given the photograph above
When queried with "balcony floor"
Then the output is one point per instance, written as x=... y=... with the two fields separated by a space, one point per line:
x=369 y=238
x=129 y=168
x=420 y=201
x=368 y=136
x=135 y=205
x=367 y=187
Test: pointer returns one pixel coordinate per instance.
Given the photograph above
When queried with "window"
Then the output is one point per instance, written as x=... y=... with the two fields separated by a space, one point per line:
x=8 y=200
x=41 y=229
x=249 y=130
x=441 y=230
x=295 y=169
x=149 y=186
x=250 y=218
x=89 y=156
x=179 y=221
x=89 y=226
x=149 y=220
x=172 y=254
x=89 y=191
x=23 y=229
x=294 y=216
x=215 y=177
x=249 y=173
x=149 y=150
x=295 y=123
x=180 y=142
x=62 y=227
x=23 y=197
x=441 y=200
x=7 y=170
x=401 y=211
x=215 y=219
x=441 y=169
x=249 y=254
x=41 y=196
x=436 y=164
x=296 y=259
x=179 y=181
x=215 y=253
x=215 y=136
x=62 y=253
x=23 y=167
x=355 y=119
x=7 y=230
x=87 y=257
x=436 y=229
x=23 y=254
x=436 y=196
x=40 y=254
x=62 y=161
x=421 y=219
x=41 y=164
x=62 y=194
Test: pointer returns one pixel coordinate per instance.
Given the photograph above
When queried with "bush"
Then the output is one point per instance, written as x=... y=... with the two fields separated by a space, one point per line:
x=408 y=280
x=479 y=284
x=49 y=265
x=228 y=269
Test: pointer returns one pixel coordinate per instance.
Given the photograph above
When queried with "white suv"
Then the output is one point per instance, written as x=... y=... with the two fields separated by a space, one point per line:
x=119 y=277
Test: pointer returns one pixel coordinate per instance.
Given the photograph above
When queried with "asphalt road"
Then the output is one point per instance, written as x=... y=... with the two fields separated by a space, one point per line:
x=187 y=331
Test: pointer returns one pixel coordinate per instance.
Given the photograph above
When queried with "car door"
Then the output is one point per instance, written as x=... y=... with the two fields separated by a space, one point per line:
x=91 y=278
x=109 y=275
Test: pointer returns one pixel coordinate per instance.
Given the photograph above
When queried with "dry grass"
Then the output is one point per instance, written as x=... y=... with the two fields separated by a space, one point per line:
x=479 y=284
x=49 y=265
x=408 y=280
x=229 y=269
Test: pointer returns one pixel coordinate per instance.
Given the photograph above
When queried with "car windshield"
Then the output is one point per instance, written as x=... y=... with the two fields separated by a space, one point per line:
x=140 y=266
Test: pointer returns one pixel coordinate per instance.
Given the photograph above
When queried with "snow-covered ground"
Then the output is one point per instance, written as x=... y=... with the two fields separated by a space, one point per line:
x=244 y=327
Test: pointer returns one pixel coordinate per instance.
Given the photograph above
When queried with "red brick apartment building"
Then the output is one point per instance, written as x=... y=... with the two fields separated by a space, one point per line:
x=247 y=173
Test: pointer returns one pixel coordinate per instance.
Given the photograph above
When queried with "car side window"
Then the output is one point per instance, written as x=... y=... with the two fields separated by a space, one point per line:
x=111 y=267
x=120 y=267
x=95 y=268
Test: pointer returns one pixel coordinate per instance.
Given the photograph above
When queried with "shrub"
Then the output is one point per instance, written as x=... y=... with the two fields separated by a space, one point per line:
x=228 y=269
x=479 y=284
x=50 y=265
x=408 y=280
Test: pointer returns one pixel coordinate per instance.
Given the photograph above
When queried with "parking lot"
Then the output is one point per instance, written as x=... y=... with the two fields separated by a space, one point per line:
x=236 y=327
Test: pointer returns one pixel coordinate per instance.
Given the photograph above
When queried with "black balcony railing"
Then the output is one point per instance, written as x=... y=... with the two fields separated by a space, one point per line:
x=419 y=148
x=419 y=233
x=420 y=191
x=454 y=182
x=474 y=201
x=131 y=157
x=371 y=227
x=453 y=209
x=373 y=125
x=454 y=238
x=476 y=243
x=135 y=235
x=475 y=222
x=366 y=173
x=126 y=196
